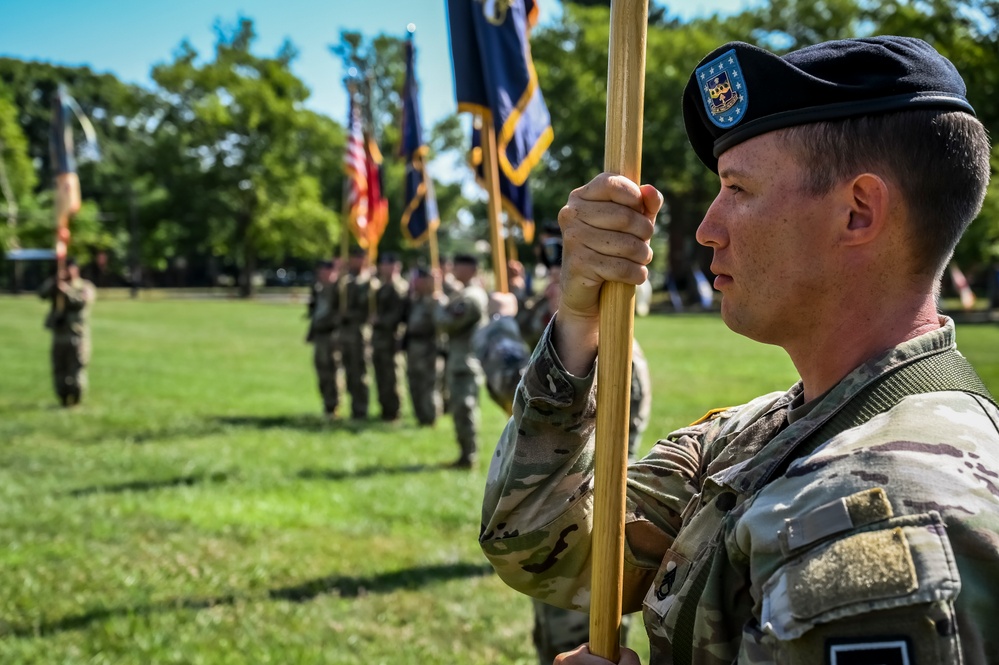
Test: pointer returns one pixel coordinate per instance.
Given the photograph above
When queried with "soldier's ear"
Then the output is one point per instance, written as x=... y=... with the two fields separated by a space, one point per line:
x=866 y=200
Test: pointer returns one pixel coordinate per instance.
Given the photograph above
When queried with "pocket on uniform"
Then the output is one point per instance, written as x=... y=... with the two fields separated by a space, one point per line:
x=888 y=565
x=669 y=579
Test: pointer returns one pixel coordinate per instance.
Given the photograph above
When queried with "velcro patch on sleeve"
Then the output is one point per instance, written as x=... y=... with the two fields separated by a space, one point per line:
x=866 y=566
x=873 y=651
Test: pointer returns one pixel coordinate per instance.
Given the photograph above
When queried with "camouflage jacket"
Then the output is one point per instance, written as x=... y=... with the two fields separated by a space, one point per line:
x=391 y=304
x=501 y=349
x=883 y=542
x=459 y=318
x=358 y=307
x=325 y=311
x=74 y=319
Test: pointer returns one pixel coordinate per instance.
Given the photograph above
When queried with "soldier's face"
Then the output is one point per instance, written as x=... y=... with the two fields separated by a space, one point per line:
x=464 y=272
x=772 y=242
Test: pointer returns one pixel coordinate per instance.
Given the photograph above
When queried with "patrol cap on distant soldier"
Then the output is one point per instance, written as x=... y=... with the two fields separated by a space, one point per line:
x=887 y=104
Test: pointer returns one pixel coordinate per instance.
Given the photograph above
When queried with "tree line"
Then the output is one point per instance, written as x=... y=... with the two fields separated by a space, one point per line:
x=219 y=168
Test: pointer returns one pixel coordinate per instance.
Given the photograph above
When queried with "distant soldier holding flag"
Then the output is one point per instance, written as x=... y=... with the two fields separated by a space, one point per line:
x=70 y=326
x=72 y=296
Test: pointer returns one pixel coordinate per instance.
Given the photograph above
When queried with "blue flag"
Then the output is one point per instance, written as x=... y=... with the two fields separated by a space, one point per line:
x=516 y=199
x=495 y=78
x=419 y=218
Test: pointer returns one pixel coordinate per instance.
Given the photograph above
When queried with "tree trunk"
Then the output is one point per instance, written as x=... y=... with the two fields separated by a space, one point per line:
x=249 y=256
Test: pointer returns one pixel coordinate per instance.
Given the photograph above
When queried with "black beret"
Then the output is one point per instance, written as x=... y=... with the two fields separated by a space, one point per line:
x=739 y=91
x=387 y=257
x=421 y=271
x=467 y=259
x=358 y=251
x=326 y=263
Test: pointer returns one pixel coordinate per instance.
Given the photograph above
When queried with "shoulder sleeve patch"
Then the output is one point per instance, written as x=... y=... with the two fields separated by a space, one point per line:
x=710 y=415
x=880 y=651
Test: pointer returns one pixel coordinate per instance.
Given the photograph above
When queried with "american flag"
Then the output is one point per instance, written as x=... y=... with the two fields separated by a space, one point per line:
x=356 y=168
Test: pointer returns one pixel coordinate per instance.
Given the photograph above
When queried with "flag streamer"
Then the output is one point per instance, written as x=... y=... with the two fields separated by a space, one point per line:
x=420 y=217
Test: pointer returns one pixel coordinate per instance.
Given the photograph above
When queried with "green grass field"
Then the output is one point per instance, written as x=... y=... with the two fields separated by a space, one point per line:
x=197 y=510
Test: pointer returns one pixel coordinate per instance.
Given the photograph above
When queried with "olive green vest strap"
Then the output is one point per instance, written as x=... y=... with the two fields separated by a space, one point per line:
x=941 y=372
x=944 y=371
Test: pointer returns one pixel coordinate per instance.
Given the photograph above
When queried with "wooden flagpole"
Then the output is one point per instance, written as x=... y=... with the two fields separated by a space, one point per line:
x=622 y=155
x=490 y=167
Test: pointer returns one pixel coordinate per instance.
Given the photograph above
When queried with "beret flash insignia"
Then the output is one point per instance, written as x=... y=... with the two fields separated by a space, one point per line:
x=723 y=89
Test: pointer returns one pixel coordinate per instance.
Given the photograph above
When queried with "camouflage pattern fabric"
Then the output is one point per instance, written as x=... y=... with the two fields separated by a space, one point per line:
x=355 y=340
x=504 y=356
x=424 y=365
x=459 y=318
x=324 y=336
x=70 y=353
x=883 y=541
x=390 y=313
x=533 y=318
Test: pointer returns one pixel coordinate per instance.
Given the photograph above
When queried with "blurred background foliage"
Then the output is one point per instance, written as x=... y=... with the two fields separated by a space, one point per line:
x=220 y=170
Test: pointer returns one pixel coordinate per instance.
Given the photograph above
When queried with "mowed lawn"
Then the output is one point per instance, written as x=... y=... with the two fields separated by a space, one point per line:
x=196 y=509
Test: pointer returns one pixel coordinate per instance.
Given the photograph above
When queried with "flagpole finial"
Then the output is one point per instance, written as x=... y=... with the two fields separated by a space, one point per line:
x=411 y=29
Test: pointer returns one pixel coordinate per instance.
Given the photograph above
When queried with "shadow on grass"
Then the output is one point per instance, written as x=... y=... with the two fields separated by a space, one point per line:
x=346 y=586
x=307 y=422
x=343 y=586
x=150 y=485
x=368 y=472
x=216 y=425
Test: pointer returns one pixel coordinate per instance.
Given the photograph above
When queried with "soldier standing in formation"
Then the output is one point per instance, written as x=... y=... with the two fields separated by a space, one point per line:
x=424 y=364
x=459 y=317
x=69 y=320
x=324 y=310
x=391 y=302
x=355 y=311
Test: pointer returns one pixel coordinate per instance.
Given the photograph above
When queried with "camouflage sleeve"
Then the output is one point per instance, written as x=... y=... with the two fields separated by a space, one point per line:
x=459 y=314
x=538 y=501
x=47 y=288
x=327 y=310
x=503 y=354
x=77 y=297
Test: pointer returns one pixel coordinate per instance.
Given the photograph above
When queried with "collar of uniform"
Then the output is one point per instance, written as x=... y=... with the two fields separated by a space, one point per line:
x=748 y=475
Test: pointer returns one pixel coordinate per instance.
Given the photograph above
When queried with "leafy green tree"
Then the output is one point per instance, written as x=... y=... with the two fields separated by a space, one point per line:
x=251 y=160
x=121 y=115
x=17 y=176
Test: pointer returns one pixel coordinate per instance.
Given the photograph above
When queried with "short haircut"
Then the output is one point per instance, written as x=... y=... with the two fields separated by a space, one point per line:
x=466 y=259
x=938 y=159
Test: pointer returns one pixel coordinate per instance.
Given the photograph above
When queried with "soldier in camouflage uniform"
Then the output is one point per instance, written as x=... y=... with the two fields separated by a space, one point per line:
x=854 y=518
x=324 y=312
x=70 y=328
x=355 y=334
x=424 y=365
x=391 y=301
x=458 y=318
